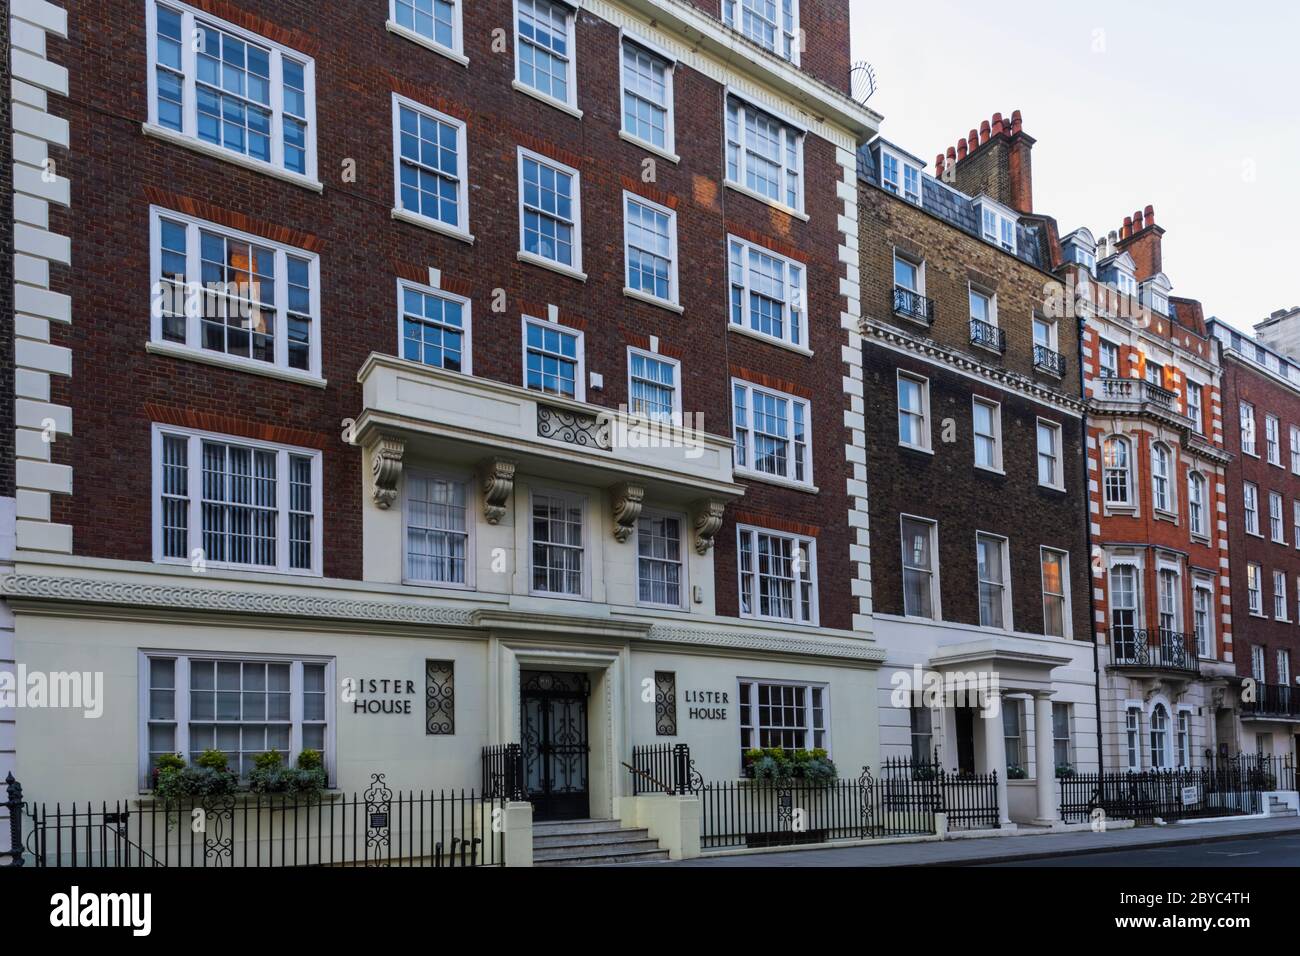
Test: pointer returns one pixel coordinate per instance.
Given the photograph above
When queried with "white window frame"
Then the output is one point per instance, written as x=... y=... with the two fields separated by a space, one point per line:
x=995 y=416
x=1247 y=435
x=1204 y=641
x=574 y=270
x=1258 y=663
x=1066 y=610
x=1169 y=506
x=580 y=372
x=992 y=297
x=936 y=612
x=1198 y=505
x=1008 y=623
x=569 y=105
x=1003 y=221
x=1161 y=758
x=683 y=562
x=1295 y=450
x=1134 y=567
x=1250 y=499
x=1128 y=504
x=182 y=711
x=903 y=167
x=194 y=487
x=1281 y=604
x=730 y=9
x=1058 y=469
x=189 y=133
x=466 y=306
x=1255 y=589
x=925 y=428
x=457 y=477
x=798 y=133
x=1276 y=519
x=914 y=262
x=674 y=289
x=1105 y=348
x=570 y=498
x=803 y=543
x=1195 y=397
x=461 y=229
x=1273 y=440
x=751 y=731
x=454 y=52
x=1282 y=660
x=196 y=296
x=748 y=469
x=793 y=302
x=1133 y=737
x=1295 y=520
x=676 y=414
x=669 y=149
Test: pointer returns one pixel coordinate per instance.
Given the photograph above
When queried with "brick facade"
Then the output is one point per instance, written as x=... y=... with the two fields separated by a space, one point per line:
x=119 y=172
x=6 y=270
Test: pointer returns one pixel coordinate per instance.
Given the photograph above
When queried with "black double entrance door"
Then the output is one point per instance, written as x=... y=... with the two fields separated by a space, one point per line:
x=554 y=718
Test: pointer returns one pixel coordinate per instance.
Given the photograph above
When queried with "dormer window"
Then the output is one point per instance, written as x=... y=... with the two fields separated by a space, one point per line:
x=1084 y=257
x=999 y=224
x=1155 y=293
x=900 y=177
x=1126 y=284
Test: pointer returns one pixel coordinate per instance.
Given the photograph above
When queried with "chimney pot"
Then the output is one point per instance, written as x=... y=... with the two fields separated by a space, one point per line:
x=961 y=150
x=984 y=131
x=1015 y=122
x=938 y=165
x=952 y=155
x=1151 y=215
x=972 y=141
x=1127 y=230
x=1138 y=223
x=997 y=124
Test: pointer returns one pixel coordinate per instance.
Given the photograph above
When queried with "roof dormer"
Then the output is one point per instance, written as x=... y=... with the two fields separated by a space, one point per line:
x=1154 y=293
x=1120 y=271
x=997 y=223
x=900 y=173
x=1081 y=248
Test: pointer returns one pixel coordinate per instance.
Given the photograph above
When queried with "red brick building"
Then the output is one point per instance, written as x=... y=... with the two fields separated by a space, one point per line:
x=1261 y=399
x=423 y=335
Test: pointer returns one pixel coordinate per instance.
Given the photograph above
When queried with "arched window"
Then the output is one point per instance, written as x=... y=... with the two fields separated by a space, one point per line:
x=1115 y=471
x=1162 y=494
x=1196 y=513
x=1159 y=737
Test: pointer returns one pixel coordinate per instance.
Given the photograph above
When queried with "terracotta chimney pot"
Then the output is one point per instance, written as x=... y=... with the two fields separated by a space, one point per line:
x=984 y=131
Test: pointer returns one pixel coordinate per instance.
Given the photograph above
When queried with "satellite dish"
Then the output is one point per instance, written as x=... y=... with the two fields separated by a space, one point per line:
x=862 y=81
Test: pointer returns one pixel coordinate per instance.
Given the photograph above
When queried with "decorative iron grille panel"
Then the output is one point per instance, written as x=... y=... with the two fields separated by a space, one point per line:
x=665 y=704
x=575 y=428
x=439 y=697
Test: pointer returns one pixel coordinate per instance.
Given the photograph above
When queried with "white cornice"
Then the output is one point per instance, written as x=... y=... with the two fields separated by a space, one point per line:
x=900 y=341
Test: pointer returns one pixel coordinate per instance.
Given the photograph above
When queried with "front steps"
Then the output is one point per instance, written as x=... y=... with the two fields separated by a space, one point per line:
x=1279 y=808
x=592 y=843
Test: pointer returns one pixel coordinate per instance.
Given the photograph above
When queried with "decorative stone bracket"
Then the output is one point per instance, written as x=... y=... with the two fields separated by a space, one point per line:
x=708 y=519
x=626 y=500
x=387 y=469
x=498 y=475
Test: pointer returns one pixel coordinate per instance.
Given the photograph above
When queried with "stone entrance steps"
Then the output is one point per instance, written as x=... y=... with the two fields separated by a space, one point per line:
x=592 y=843
x=1277 y=808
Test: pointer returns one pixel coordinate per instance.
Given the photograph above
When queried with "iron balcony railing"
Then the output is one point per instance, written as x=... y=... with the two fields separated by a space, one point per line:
x=1138 y=392
x=1158 y=649
x=987 y=336
x=913 y=305
x=1049 y=360
x=1272 y=700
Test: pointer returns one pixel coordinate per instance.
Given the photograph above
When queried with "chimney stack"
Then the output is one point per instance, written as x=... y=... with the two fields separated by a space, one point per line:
x=995 y=159
x=1140 y=238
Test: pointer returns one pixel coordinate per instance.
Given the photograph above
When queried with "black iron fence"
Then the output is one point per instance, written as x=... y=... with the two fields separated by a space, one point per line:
x=375 y=828
x=503 y=772
x=662 y=768
x=913 y=305
x=1272 y=700
x=1155 y=649
x=1223 y=786
x=901 y=801
x=1049 y=360
x=987 y=335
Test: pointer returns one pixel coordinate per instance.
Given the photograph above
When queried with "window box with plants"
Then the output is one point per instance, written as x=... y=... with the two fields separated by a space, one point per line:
x=811 y=768
x=176 y=782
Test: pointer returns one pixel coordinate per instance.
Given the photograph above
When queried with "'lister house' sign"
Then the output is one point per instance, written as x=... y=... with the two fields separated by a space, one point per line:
x=383 y=695
x=714 y=702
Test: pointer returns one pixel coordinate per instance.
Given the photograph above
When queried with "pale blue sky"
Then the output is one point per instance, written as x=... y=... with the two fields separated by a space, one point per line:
x=1189 y=106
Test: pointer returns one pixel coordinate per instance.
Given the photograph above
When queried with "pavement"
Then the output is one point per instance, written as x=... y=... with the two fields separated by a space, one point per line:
x=1272 y=850
x=1042 y=849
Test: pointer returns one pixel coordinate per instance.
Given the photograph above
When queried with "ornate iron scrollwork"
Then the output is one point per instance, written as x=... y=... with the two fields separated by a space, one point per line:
x=573 y=428
x=379 y=800
x=219 y=829
x=439 y=697
x=665 y=704
x=387 y=468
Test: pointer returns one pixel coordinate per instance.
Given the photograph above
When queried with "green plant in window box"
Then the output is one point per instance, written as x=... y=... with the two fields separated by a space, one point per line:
x=813 y=767
x=270 y=775
x=1064 y=770
x=175 y=782
x=1017 y=773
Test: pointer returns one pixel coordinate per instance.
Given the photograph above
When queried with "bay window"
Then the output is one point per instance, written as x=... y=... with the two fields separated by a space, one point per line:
x=773 y=433
x=778 y=576
x=236 y=503
x=230 y=91
x=234 y=298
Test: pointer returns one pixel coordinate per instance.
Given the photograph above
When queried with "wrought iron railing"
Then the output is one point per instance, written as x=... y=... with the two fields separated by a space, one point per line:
x=1271 y=700
x=378 y=827
x=913 y=305
x=1222 y=786
x=987 y=336
x=1049 y=360
x=662 y=768
x=1159 y=649
x=503 y=772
